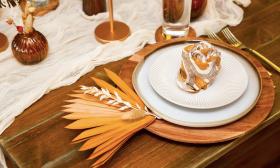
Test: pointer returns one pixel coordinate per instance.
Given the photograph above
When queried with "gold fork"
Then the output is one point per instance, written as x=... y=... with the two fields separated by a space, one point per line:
x=214 y=36
x=236 y=43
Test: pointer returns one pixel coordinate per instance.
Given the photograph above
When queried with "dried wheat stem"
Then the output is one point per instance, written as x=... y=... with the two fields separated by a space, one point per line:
x=115 y=100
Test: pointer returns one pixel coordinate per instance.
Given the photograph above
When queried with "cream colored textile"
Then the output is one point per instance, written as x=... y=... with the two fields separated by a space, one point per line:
x=74 y=51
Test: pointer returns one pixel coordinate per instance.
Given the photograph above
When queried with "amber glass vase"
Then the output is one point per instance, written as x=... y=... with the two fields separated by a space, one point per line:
x=30 y=48
x=198 y=6
x=93 y=7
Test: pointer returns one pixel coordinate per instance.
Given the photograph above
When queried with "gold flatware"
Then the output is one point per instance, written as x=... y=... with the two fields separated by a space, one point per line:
x=214 y=36
x=236 y=43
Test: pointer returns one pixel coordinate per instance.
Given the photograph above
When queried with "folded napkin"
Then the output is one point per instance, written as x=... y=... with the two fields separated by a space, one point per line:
x=74 y=50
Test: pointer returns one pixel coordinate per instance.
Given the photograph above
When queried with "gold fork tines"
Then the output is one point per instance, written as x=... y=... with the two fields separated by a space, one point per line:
x=214 y=36
x=236 y=43
x=231 y=38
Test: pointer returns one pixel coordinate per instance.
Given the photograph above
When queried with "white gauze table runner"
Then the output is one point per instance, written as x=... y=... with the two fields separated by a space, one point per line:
x=73 y=50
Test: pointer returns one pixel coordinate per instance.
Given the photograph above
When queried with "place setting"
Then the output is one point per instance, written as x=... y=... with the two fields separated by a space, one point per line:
x=192 y=82
x=194 y=91
x=222 y=104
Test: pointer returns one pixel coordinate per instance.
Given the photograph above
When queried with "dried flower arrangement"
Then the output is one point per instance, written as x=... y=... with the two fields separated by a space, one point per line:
x=27 y=19
x=108 y=115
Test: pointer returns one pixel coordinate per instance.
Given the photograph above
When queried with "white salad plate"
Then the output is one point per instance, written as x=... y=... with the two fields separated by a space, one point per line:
x=192 y=117
x=230 y=83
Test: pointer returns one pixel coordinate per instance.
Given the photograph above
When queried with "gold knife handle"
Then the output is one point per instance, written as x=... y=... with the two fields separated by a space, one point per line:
x=274 y=66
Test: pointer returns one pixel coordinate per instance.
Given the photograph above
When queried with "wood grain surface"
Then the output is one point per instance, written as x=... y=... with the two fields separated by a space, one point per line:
x=37 y=138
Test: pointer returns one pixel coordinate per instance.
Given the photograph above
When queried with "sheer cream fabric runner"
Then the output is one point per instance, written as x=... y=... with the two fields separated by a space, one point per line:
x=74 y=51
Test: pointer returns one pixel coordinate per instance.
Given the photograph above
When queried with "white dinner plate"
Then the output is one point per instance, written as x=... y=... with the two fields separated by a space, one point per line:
x=196 y=117
x=230 y=83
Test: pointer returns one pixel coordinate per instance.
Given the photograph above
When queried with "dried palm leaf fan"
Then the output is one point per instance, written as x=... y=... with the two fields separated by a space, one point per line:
x=108 y=116
x=3 y=39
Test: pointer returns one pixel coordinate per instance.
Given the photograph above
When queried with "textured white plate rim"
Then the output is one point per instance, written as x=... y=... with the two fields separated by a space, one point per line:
x=204 y=105
x=196 y=124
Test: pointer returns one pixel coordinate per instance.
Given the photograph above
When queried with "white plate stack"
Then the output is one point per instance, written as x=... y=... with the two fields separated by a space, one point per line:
x=232 y=95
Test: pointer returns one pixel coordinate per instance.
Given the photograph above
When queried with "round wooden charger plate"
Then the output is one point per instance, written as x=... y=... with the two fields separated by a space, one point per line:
x=214 y=134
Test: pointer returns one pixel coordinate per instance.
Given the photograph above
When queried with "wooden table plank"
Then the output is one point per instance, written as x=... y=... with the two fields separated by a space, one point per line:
x=37 y=138
x=261 y=27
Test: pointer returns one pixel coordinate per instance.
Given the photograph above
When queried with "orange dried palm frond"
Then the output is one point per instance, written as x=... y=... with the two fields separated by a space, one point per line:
x=124 y=87
x=108 y=116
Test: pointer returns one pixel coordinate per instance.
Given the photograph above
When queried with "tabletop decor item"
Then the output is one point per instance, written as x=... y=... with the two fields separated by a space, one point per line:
x=93 y=7
x=160 y=36
x=111 y=30
x=176 y=17
x=3 y=38
x=108 y=115
x=176 y=20
x=42 y=6
x=29 y=46
x=198 y=7
x=200 y=65
x=232 y=95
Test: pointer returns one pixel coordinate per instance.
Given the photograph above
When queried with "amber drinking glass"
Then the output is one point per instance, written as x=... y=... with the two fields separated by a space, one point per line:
x=176 y=17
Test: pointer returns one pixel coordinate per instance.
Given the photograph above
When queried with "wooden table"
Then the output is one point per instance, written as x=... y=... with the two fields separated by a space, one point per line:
x=38 y=139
